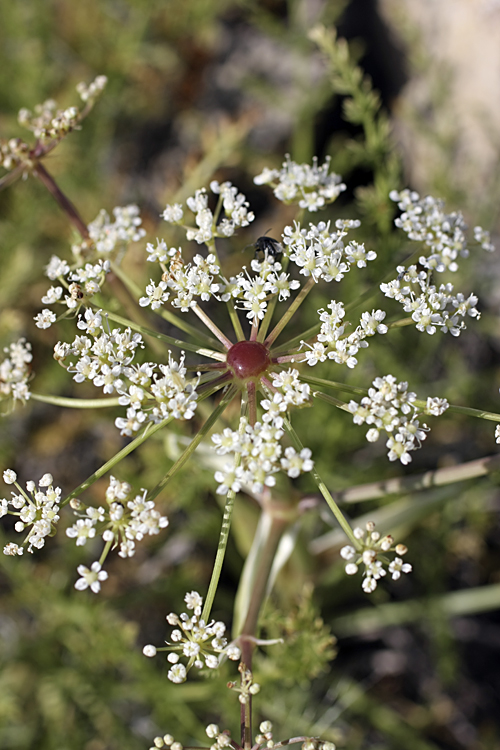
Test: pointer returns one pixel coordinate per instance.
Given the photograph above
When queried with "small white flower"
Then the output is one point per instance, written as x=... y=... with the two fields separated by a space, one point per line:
x=149 y=650
x=177 y=674
x=13 y=549
x=90 y=577
x=45 y=318
x=347 y=552
x=9 y=476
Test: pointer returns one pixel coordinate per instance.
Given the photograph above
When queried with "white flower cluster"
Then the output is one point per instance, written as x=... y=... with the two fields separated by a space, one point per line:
x=166 y=741
x=208 y=223
x=433 y=307
x=37 y=510
x=288 y=391
x=48 y=122
x=13 y=153
x=265 y=740
x=202 y=644
x=186 y=280
x=331 y=342
x=183 y=281
x=390 y=408
x=80 y=286
x=309 y=186
x=151 y=392
x=322 y=253
x=254 y=292
x=258 y=456
x=80 y=282
x=15 y=372
x=222 y=739
x=424 y=220
x=126 y=520
x=109 y=235
x=318 y=252
x=92 y=90
x=370 y=553
x=257 y=451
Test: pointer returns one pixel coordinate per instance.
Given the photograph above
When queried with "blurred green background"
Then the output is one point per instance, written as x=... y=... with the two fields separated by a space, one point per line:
x=217 y=88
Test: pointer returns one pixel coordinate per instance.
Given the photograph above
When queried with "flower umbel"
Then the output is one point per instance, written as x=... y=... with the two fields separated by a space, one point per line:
x=201 y=644
x=37 y=509
x=391 y=409
x=370 y=552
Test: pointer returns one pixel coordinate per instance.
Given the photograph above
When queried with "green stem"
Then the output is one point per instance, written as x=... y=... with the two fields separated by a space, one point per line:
x=76 y=403
x=292 y=343
x=255 y=578
x=333 y=384
x=105 y=551
x=219 y=356
x=150 y=430
x=219 y=557
x=439 y=477
x=211 y=326
x=290 y=312
x=324 y=489
x=468 y=411
x=420 y=403
x=270 y=309
x=170 y=317
x=235 y=320
x=330 y=400
x=401 y=323
x=212 y=419
x=225 y=527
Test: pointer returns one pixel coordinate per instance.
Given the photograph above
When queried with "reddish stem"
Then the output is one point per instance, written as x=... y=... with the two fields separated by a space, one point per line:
x=66 y=205
x=252 y=402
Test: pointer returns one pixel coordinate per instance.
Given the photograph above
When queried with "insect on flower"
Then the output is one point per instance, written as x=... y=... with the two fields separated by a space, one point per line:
x=268 y=247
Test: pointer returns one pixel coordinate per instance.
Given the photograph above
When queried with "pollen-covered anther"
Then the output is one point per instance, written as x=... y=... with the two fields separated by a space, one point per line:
x=248 y=359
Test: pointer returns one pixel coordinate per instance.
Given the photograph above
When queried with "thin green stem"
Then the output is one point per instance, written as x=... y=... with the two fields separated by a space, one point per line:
x=270 y=308
x=105 y=551
x=170 y=317
x=211 y=326
x=224 y=531
x=219 y=356
x=202 y=432
x=439 y=477
x=235 y=320
x=290 y=312
x=260 y=561
x=219 y=557
x=323 y=489
x=401 y=323
x=76 y=403
x=421 y=404
x=468 y=411
x=330 y=400
x=292 y=343
x=148 y=432
x=333 y=384
x=255 y=330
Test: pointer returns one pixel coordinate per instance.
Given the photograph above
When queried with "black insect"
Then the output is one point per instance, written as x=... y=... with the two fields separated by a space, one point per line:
x=267 y=247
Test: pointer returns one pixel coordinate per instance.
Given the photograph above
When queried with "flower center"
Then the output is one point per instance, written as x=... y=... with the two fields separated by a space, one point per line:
x=248 y=359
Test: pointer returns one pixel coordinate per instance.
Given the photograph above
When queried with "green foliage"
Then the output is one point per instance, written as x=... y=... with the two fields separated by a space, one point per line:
x=308 y=646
